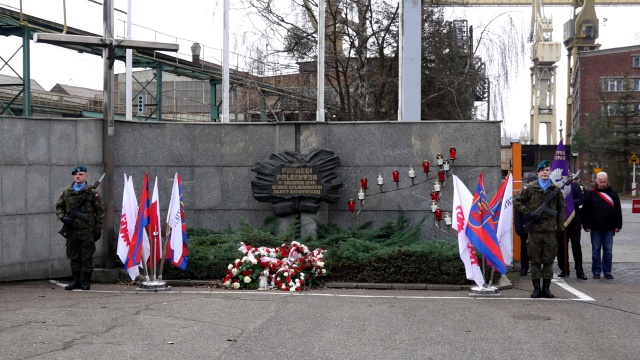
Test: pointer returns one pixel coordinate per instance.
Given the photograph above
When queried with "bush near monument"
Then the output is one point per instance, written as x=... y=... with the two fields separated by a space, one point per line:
x=393 y=252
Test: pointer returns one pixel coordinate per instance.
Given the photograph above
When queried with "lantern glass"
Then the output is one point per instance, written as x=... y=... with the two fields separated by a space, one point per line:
x=445 y=166
x=434 y=206
x=447 y=218
x=441 y=175
x=412 y=172
x=352 y=205
x=360 y=195
x=380 y=179
x=434 y=195
x=396 y=176
x=425 y=166
x=436 y=185
x=452 y=153
x=439 y=159
x=438 y=214
x=364 y=183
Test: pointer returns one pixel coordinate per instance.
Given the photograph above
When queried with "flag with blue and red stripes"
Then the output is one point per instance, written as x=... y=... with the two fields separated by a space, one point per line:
x=481 y=230
x=134 y=256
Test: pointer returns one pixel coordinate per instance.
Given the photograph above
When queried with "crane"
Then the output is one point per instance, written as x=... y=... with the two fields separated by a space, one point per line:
x=580 y=34
x=545 y=53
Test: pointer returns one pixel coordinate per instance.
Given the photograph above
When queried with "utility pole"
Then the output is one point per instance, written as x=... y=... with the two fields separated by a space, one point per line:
x=109 y=45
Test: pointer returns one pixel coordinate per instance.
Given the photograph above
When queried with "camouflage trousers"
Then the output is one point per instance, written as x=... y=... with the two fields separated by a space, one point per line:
x=80 y=250
x=542 y=248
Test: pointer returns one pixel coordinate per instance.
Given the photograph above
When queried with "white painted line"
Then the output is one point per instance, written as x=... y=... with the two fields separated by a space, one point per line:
x=581 y=296
x=283 y=293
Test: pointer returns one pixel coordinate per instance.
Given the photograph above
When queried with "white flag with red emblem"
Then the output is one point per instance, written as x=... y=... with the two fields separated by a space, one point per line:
x=127 y=225
x=462 y=200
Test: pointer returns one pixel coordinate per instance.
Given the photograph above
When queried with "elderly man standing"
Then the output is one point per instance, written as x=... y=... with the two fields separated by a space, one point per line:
x=542 y=245
x=602 y=217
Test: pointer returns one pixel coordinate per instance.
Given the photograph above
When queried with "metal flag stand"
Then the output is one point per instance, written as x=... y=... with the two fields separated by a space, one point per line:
x=487 y=290
x=156 y=284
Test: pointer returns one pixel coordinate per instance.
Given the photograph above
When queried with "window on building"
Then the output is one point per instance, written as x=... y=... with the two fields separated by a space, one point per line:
x=613 y=85
x=613 y=109
x=635 y=61
x=636 y=84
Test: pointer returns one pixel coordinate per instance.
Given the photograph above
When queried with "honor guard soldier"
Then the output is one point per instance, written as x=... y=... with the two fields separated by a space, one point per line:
x=81 y=211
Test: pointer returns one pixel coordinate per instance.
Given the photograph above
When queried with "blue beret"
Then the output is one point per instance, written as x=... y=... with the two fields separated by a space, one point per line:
x=79 y=169
x=543 y=165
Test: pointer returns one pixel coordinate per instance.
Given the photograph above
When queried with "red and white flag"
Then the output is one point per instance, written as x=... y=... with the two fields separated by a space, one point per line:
x=154 y=230
x=462 y=200
x=127 y=225
x=177 y=250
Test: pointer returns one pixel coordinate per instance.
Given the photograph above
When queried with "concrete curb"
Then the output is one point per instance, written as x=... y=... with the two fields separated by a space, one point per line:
x=116 y=275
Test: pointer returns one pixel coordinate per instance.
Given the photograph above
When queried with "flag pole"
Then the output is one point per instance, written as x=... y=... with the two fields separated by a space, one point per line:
x=164 y=250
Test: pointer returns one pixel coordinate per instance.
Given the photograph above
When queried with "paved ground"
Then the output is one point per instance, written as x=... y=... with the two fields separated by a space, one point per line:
x=590 y=319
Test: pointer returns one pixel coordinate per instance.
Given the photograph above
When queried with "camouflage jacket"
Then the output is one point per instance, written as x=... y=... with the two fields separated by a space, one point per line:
x=530 y=197
x=92 y=207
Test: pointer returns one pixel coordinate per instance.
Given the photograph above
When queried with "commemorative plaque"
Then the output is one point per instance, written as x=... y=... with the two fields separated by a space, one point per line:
x=296 y=183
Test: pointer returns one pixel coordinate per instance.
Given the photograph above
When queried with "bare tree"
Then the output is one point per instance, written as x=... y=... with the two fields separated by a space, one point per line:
x=362 y=56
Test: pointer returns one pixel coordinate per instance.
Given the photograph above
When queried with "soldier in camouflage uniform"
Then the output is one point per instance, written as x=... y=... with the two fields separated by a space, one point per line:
x=84 y=229
x=541 y=245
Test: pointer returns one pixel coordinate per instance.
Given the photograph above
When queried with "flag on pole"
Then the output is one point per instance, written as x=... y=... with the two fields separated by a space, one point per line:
x=560 y=173
x=501 y=207
x=134 y=257
x=177 y=249
x=127 y=225
x=462 y=199
x=481 y=232
x=155 y=233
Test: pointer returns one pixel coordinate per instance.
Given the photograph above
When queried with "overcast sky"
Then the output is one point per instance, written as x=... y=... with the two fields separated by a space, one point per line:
x=201 y=21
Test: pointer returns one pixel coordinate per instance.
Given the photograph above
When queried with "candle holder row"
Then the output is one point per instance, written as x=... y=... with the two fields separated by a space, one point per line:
x=445 y=168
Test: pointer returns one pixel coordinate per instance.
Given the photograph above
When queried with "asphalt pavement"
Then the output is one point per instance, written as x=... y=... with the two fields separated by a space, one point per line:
x=588 y=319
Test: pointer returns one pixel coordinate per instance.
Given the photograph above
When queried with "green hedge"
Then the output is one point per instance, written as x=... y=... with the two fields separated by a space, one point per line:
x=393 y=252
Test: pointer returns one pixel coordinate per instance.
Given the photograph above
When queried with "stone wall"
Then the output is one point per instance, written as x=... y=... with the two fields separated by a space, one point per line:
x=215 y=161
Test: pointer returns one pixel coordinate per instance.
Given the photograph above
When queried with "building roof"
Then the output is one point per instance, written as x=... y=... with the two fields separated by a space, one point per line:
x=77 y=91
x=7 y=80
x=610 y=51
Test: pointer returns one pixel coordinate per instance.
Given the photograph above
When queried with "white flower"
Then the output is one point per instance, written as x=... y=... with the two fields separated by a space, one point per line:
x=234 y=272
x=227 y=283
x=254 y=261
x=237 y=261
x=321 y=263
x=244 y=258
x=230 y=266
x=291 y=284
x=247 y=279
x=265 y=272
x=236 y=285
x=302 y=276
x=285 y=273
x=324 y=271
x=292 y=289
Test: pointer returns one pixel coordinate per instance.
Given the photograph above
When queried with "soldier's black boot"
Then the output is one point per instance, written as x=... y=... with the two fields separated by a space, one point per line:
x=86 y=281
x=545 y=289
x=75 y=284
x=536 y=288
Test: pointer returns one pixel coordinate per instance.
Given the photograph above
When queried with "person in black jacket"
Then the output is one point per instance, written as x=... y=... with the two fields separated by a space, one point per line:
x=572 y=233
x=519 y=220
x=602 y=217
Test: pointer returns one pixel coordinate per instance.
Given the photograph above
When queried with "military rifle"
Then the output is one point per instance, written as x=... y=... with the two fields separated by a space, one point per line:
x=75 y=213
x=544 y=207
